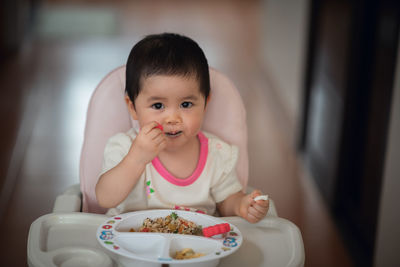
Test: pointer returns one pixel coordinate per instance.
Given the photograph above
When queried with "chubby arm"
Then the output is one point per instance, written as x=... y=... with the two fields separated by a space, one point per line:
x=116 y=184
x=240 y=204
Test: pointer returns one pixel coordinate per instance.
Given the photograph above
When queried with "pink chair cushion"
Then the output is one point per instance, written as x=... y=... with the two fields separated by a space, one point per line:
x=107 y=115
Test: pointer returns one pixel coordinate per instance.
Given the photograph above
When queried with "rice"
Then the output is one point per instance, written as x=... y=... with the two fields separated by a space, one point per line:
x=170 y=224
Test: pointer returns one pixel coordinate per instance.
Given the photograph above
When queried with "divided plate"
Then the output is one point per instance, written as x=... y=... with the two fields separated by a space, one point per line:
x=159 y=248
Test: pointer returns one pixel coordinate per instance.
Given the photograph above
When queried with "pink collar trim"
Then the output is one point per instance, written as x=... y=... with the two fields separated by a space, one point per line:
x=197 y=172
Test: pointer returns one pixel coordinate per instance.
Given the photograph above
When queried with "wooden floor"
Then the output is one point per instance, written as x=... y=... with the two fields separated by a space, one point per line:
x=46 y=88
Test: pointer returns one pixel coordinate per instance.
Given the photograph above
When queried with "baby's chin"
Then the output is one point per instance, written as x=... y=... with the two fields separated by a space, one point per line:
x=179 y=140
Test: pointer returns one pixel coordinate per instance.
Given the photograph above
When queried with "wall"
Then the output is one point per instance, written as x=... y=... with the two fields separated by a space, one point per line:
x=388 y=233
x=14 y=23
x=283 y=51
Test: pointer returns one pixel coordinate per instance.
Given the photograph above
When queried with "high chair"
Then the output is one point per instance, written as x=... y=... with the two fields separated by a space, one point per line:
x=66 y=237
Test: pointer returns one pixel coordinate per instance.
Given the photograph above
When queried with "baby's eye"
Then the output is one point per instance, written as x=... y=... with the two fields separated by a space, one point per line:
x=157 y=106
x=186 y=104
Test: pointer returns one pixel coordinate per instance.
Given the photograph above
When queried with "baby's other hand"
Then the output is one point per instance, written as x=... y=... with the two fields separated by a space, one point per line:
x=253 y=211
x=149 y=142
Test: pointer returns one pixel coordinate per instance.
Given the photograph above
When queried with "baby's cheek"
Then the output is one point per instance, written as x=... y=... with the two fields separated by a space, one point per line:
x=193 y=126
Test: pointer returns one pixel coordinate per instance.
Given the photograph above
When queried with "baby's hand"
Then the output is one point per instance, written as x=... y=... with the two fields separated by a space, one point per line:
x=251 y=210
x=149 y=142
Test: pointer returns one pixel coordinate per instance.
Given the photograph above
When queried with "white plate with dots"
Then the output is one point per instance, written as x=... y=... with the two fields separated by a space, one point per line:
x=155 y=249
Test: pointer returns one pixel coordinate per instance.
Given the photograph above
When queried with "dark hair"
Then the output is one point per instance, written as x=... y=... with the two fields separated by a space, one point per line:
x=165 y=54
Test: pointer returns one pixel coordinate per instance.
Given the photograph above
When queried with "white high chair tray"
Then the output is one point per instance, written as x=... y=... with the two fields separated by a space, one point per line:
x=69 y=239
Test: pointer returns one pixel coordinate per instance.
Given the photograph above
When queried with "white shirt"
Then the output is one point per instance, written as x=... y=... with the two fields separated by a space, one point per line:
x=213 y=180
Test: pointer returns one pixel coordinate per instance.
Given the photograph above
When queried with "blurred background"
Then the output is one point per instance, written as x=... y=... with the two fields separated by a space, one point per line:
x=320 y=80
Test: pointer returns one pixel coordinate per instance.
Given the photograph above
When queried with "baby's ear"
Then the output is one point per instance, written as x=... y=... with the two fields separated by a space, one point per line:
x=131 y=107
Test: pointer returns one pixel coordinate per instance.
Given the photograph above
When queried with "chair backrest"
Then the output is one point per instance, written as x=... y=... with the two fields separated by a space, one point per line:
x=107 y=115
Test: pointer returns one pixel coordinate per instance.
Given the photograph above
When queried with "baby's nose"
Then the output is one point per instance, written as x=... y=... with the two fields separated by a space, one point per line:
x=173 y=117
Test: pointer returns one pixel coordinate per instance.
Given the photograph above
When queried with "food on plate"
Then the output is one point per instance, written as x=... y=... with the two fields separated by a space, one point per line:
x=170 y=224
x=187 y=253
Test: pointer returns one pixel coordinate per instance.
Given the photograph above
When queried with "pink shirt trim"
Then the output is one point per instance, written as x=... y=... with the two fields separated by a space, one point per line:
x=197 y=172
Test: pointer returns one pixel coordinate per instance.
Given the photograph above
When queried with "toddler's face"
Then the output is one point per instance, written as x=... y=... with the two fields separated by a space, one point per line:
x=176 y=103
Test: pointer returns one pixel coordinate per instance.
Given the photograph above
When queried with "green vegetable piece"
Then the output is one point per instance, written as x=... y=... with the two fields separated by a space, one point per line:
x=174 y=215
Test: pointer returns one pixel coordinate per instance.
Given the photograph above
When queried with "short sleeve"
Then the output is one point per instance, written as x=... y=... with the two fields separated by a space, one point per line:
x=227 y=183
x=116 y=149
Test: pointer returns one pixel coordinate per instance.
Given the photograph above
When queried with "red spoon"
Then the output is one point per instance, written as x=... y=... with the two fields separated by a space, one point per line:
x=159 y=126
x=216 y=229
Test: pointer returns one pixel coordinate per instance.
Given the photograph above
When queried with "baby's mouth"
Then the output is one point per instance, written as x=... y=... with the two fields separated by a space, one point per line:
x=173 y=134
